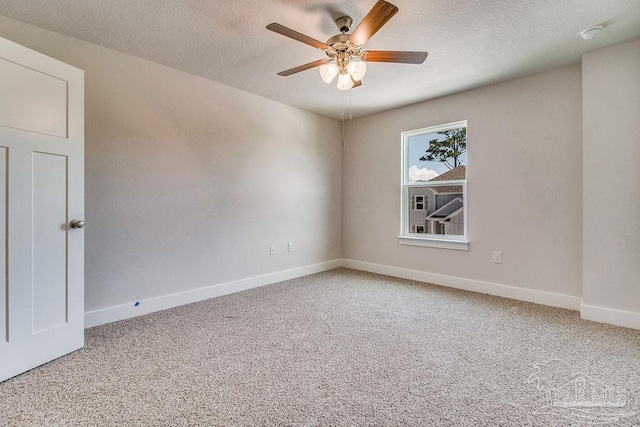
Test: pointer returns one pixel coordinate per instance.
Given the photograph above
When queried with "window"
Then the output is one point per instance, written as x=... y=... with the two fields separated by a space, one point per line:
x=417 y=229
x=417 y=203
x=434 y=187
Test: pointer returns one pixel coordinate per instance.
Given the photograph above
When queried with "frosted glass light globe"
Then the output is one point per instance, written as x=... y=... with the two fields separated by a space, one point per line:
x=345 y=82
x=357 y=69
x=329 y=71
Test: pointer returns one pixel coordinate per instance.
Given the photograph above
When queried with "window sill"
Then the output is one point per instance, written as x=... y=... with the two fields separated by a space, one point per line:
x=430 y=242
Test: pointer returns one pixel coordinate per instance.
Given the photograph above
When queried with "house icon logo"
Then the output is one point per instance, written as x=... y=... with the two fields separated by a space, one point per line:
x=576 y=396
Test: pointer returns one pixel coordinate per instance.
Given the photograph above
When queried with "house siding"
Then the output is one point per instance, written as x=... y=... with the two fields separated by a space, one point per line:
x=417 y=217
x=455 y=226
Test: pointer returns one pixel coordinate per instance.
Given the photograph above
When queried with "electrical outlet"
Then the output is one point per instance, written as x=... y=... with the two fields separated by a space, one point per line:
x=497 y=257
x=272 y=250
x=290 y=247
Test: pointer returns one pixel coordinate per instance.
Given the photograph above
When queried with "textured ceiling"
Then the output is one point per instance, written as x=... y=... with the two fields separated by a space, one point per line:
x=470 y=42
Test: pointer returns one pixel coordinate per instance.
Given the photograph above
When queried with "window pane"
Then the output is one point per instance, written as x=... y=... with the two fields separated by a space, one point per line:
x=442 y=212
x=433 y=154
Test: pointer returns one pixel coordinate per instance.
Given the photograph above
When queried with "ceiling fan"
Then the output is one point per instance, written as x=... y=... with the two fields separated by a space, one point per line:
x=346 y=59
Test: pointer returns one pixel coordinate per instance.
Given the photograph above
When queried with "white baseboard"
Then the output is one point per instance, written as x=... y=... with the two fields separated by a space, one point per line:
x=522 y=294
x=125 y=311
x=597 y=314
x=627 y=319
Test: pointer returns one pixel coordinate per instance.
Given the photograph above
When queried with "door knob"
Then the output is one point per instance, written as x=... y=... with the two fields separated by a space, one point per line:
x=76 y=223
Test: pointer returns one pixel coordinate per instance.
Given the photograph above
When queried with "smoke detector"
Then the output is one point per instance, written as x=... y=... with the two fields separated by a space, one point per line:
x=591 y=33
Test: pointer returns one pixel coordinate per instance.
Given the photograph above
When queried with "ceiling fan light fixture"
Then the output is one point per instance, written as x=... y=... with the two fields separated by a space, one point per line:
x=357 y=69
x=345 y=82
x=329 y=71
x=346 y=57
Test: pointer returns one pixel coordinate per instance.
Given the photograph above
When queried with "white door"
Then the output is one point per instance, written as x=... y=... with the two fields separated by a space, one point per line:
x=41 y=192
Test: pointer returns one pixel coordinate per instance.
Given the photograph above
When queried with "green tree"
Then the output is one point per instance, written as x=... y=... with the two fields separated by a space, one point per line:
x=449 y=149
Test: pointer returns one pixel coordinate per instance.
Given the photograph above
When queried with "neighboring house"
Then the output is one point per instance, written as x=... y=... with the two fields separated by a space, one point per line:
x=438 y=210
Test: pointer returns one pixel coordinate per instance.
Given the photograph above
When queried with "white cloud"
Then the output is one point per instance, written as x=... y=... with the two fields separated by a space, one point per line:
x=421 y=174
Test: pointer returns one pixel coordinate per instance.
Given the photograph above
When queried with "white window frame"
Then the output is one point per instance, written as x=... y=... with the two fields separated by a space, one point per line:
x=428 y=240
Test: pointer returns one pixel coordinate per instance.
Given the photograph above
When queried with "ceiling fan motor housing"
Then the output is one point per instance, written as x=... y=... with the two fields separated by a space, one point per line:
x=341 y=49
x=344 y=23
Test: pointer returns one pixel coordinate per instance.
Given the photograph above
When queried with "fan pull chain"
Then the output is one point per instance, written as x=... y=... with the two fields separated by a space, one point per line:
x=343 y=114
x=350 y=115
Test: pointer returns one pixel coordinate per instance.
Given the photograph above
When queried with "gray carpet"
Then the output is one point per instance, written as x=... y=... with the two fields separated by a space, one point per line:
x=339 y=348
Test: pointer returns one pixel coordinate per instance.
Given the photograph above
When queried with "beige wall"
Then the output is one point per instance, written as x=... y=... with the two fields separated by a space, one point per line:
x=189 y=181
x=524 y=184
x=611 y=87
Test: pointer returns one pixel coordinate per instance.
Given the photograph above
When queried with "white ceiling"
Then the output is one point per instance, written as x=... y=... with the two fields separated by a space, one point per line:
x=471 y=43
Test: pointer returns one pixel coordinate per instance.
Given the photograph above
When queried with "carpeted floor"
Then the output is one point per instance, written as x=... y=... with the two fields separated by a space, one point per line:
x=338 y=348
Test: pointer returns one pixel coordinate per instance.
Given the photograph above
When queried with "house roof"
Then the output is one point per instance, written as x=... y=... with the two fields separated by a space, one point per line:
x=438 y=213
x=447 y=189
x=453 y=214
x=459 y=172
x=456 y=173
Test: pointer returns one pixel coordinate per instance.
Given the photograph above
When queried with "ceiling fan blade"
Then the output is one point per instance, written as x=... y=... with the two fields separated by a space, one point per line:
x=356 y=83
x=394 y=56
x=303 y=67
x=281 y=29
x=375 y=19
